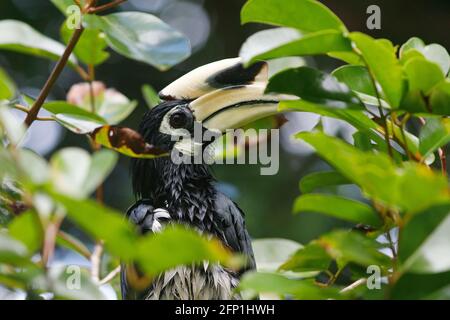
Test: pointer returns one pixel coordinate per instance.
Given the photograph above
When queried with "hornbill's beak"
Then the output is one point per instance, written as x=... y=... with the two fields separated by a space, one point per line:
x=224 y=95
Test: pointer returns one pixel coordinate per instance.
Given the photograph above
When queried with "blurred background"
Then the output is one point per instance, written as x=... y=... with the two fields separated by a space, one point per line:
x=215 y=33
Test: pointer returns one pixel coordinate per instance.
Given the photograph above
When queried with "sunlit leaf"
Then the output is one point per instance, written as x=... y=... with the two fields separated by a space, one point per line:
x=7 y=86
x=316 y=180
x=384 y=65
x=143 y=37
x=338 y=207
x=125 y=141
x=77 y=123
x=433 y=135
x=18 y=36
x=305 y=15
x=311 y=257
x=422 y=74
x=27 y=228
x=271 y=253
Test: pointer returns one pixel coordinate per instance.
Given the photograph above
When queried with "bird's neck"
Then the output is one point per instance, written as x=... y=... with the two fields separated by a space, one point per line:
x=186 y=190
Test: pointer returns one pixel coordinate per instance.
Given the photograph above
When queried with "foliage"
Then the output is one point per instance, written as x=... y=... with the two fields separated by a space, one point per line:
x=396 y=98
x=383 y=92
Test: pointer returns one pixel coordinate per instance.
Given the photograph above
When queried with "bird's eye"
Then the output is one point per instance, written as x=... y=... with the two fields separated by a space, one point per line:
x=178 y=120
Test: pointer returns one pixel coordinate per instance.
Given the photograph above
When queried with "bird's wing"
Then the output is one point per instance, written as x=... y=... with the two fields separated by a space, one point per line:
x=231 y=220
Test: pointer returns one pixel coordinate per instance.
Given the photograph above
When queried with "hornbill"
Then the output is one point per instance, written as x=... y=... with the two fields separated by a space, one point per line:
x=218 y=96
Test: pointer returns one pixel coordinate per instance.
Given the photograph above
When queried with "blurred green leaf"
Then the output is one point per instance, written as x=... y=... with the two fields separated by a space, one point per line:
x=143 y=37
x=433 y=135
x=126 y=141
x=102 y=223
x=76 y=173
x=384 y=65
x=320 y=42
x=18 y=36
x=91 y=46
x=62 y=107
x=311 y=257
x=440 y=98
x=337 y=207
x=7 y=86
x=271 y=253
x=102 y=164
x=412 y=187
x=33 y=166
x=353 y=246
x=316 y=180
x=305 y=15
x=361 y=140
x=12 y=251
x=77 y=123
x=286 y=287
x=178 y=246
x=424 y=241
x=314 y=86
x=27 y=228
x=150 y=96
x=62 y=5
x=70 y=242
x=420 y=286
x=422 y=74
x=11 y=126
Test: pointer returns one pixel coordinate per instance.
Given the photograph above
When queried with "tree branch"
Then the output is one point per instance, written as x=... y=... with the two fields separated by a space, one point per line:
x=32 y=114
x=106 y=6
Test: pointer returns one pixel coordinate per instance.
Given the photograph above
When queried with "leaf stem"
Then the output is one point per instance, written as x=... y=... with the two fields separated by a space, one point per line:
x=96 y=259
x=110 y=276
x=32 y=114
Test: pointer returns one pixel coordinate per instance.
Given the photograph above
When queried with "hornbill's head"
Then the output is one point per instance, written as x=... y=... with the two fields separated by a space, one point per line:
x=218 y=96
x=213 y=98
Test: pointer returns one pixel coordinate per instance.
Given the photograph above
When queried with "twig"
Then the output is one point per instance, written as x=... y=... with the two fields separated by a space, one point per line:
x=106 y=6
x=26 y=110
x=80 y=248
x=443 y=159
x=32 y=114
x=354 y=285
x=49 y=241
x=96 y=259
x=110 y=276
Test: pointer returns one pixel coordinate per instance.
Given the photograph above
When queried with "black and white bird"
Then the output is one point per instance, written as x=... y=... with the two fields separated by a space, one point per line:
x=218 y=96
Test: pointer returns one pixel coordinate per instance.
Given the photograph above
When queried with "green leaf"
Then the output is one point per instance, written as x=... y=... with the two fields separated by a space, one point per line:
x=62 y=107
x=70 y=242
x=27 y=228
x=33 y=166
x=349 y=57
x=419 y=286
x=310 y=44
x=353 y=246
x=433 y=135
x=150 y=96
x=413 y=187
x=10 y=125
x=143 y=37
x=424 y=241
x=314 y=86
x=271 y=253
x=126 y=141
x=91 y=46
x=422 y=75
x=338 y=207
x=312 y=257
x=305 y=15
x=62 y=5
x=102 y=164
x=358 y=79
x=7 y=86
x=12 y=251
x=77 y=123
x=362 y=141
x=436 y=53
x=102 y=223
x=286 y=287
x=440 y=98
x=178 y=246
x=384 y=65
x=18 y=36
x=316 y=180
x=75 y=173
